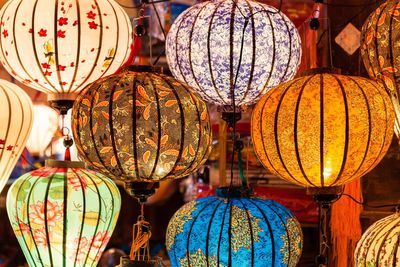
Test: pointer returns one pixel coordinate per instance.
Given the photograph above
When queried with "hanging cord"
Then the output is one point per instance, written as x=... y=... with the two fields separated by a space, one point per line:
x=68 y=141
x=140 y=250
x=141 y=4
x=323 y=219
x=163 y=31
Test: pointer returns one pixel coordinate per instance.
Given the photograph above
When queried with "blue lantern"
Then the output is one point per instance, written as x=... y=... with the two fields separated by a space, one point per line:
x=233 y=231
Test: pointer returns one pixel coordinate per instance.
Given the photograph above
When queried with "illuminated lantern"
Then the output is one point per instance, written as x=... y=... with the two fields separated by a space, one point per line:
x=16 y=117
x=63 y=214
x=380 y=50
x=379 y=245
x=236 y=231
x=141 y=127
x=204 y=49
x=59 y=47
x=45 y=125
x=323 y=130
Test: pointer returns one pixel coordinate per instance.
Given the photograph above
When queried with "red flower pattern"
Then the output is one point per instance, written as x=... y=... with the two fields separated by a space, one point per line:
x=54 y=213
x=61 y=68
x=46 y=65
x=77 y=182
x=5 y=33
x=93 y=25
x=62 y=21
x=84 y=246
x=91 y=15
x=100 y=240
x=61 y=34
x=39 y=235
x=42 y=33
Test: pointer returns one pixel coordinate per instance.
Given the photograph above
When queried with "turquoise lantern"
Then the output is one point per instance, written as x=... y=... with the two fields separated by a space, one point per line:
x=234 y=231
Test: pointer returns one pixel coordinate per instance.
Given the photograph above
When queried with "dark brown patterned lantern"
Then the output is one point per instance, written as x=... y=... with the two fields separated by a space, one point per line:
x=380 y=50
x=141 y=127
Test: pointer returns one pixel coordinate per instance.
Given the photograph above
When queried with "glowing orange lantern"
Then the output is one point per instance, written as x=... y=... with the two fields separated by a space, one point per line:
x=323 y=130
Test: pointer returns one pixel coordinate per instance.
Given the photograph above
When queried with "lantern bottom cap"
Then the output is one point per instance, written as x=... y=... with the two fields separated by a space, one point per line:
x=64 y=164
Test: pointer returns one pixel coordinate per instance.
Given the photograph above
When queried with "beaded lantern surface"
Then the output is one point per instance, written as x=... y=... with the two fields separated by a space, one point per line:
x=240 y=231
x=16 y=118
x=323 y=130
x=141 y=127
x=213 y=42
x=63 y=214
x=379 y=245
x=380 y=50
x=59 y=47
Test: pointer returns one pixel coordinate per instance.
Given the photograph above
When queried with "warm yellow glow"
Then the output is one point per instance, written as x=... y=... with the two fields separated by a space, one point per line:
x=45 y=125
x=59 y=47
x=323 y=130
x=16 y=117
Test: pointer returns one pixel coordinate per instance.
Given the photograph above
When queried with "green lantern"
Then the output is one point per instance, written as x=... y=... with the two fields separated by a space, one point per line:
x=63 y=214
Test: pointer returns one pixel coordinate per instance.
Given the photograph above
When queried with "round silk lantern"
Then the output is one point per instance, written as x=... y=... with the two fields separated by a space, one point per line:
x=379 y=245
x=237 y=231
x=16 y=118
x=59 y=47
x=225 y=47
x=380 y=50
x=45 y=125
x=141 y=127
x=323 y=130
x=63 y=214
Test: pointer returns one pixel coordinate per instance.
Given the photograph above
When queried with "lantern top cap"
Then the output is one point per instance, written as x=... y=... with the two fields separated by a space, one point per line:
x=64 y=164
x=321 y=71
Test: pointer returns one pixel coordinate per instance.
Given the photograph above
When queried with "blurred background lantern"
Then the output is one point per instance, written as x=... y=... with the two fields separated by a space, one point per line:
x=233 y=231
x=380 y=50
x=141 y=127
x=16 y=117
x=379 y=245
x=63 y=214
x=61 y=52
x=323 y=130
x=45 y=125
x=213 y=42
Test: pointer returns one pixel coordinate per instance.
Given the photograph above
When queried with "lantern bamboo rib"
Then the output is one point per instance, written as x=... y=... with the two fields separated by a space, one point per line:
x=233 y=225
x=166 y=124
x=203 y=26
x=68 y=53
x=343 y=123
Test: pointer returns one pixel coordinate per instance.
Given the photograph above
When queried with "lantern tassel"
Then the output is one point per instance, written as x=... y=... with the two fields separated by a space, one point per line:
x=140 y=250
x=67 y=155
x=346 y=226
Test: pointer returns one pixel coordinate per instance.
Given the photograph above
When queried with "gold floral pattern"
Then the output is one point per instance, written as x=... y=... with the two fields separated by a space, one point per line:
x=142 y=127
x=198 y=259
x=241 y=232
x=380 y=46
x=178 y=221
x=291 y=253
x=323 y=130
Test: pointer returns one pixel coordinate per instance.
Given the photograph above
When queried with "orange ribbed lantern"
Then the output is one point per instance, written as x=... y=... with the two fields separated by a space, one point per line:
x=323 y=130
